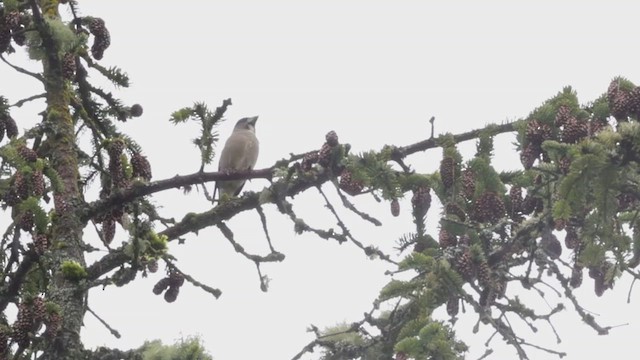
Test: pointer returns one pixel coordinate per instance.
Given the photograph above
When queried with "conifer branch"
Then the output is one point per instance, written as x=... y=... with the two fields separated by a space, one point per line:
x=21 y=102
x=23 y=71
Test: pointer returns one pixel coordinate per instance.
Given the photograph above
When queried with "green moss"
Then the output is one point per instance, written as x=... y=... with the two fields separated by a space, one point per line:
x=73 y=271
x=158 y=242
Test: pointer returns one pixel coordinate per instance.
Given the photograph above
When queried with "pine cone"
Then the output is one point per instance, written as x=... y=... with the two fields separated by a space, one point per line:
x=116 y=171
x=613 y=90
x=447 y=171
x=456 y=210
x=136 y=110
x=551 y=245
x=108 y=230
x=598 y=275
x=152 y=266
x=37 y=183
x=395 y=207
x=21 y=185
x=421 y=200
x=332 y=138
x=54 y=323
x=69 y=66
x=468 y=183
x=620 y=106
x=141 y=166
x=39 y=309
x=115 y=147
x=102 y=39
x=453 y=306
x=23 y=324
x=324 y=155
x=515 y=198
x=529 y=155
x=308 y=160
x=595 y=126
x=626 y=201
x=27 y=220
x=484 y=275
x=634 y=102
x=537 y=132
x=464 y=265
x=349 y=185
x=161 y=285
x=10 y=197
x=574 y=130
x=27 y=154
x=532 y=204
x=60 y=204
x=172 y=294
x=446 y=239
x=563 y=114
x=488 y=208
x=176 y=279
x=10 y=126
x=41 y=243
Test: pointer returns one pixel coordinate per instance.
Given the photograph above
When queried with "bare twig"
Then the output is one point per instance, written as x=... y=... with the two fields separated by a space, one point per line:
x=21 y=102
x=23 y=71
x=113 y=331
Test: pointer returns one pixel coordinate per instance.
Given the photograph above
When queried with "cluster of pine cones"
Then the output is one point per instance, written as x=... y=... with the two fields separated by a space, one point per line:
x=31 y=315
x=623 y=101
x=120 y=180
x=325 y=158
x=172 y=284
x=12 y=26
x=101 y=37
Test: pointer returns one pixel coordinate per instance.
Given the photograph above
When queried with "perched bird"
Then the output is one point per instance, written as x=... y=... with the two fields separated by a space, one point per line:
x=240 y=153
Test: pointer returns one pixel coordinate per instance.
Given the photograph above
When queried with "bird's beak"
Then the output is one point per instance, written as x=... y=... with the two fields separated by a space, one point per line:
x=252 y=120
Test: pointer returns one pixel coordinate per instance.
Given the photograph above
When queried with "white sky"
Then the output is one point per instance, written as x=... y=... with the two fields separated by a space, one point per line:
x=374 y=72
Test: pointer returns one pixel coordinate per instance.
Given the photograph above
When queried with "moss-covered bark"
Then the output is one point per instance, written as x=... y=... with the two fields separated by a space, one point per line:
x=66 y=227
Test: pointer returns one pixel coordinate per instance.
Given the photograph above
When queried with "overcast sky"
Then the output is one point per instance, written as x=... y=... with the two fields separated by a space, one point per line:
x=373 y=71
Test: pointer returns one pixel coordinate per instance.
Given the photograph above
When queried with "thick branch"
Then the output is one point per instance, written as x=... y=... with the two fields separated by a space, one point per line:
x=140 y=189
x=227 y=210
x=431 y=143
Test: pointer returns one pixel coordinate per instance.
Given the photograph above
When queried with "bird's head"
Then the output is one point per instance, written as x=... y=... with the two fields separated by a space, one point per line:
x=248 y=123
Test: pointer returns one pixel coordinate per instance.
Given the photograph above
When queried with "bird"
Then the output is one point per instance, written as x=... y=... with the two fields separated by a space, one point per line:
x=240 y=153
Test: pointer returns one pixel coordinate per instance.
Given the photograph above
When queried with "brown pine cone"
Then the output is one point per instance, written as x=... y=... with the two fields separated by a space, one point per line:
x=488 y=208
x=102 y=39
x=140 y=166
x=447 y=171
x=332 y=138
x=172 y=294
x=395 y=207
x=453 y=306
x=349 y=185
x=446 y=239
x=161 y=285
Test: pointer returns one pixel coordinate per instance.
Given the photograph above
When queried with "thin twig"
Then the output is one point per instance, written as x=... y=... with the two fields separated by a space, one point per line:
x=21 y=102
x=113 y=331
x=23 y=71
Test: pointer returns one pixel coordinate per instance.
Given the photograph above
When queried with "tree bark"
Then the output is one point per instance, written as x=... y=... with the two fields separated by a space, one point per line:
x=66 y=229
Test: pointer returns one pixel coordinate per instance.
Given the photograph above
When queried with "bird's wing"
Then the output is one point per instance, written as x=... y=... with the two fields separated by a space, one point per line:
x=240 y=153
